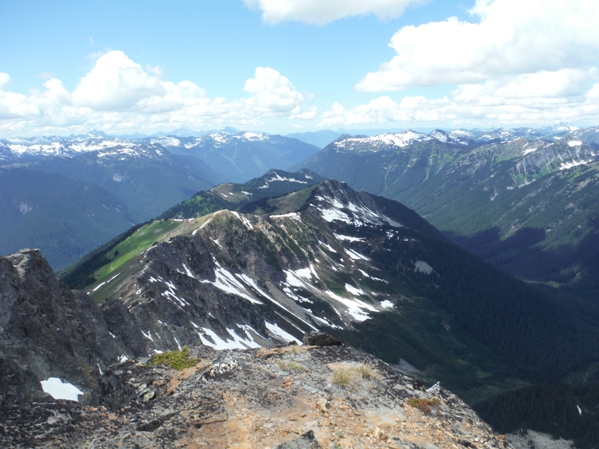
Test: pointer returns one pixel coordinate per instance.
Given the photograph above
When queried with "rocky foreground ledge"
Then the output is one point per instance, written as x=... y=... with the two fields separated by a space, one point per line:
x=289 y=397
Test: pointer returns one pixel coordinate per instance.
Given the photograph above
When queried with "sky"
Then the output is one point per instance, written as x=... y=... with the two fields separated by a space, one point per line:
x=285 y=66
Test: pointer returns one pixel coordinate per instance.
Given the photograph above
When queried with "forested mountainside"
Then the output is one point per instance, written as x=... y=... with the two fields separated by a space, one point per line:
x=522 y=202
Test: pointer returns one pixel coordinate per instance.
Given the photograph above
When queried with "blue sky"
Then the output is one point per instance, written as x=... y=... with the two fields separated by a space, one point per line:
x=285 y=66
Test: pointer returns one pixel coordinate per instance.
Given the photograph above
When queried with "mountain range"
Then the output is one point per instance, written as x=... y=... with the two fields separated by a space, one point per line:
x=523 y=203
x=270 y=261
x=145 y=176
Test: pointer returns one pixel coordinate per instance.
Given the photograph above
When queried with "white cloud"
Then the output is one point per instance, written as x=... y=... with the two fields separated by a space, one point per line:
x=115 y=83
x=528 y=99
x=119 y=94
x=321 y=12
x=509 y=38
x=272 y=92
x=4 y=79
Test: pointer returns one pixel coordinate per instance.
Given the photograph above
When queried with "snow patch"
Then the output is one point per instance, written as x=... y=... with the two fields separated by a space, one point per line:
x=293 y=215
x=354 y=306
x=244 y=220
x=568 y=165
x=353 y=290
x=386 y=304
x=329 y=247
x=422 y=267
x=226 y=282
x=277 y=331
x=347 y=238
x=355 y=255
x=58 y=389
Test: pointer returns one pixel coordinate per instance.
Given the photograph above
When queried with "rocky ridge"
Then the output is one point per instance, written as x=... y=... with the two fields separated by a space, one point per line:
x=283 y=397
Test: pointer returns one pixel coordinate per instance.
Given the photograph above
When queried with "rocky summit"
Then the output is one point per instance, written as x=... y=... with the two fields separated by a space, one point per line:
x=285 y=397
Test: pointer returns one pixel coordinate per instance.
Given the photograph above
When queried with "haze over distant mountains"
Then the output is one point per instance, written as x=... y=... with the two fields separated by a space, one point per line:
x=146 y=176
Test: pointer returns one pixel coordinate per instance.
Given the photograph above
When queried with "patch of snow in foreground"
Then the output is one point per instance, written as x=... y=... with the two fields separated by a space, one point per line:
x=226 y=282
x=276 y=330
x=331 y=215
x=293 y=215
x=329 y=247
x=326 y=322
x=61 y=390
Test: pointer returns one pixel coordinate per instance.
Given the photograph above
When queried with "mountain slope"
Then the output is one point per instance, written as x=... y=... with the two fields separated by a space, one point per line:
x=147 y=178
x=65 y=218
x=365 y=268
x=524 y=205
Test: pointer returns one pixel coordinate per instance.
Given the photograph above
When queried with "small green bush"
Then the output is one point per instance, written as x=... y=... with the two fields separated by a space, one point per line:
x=177 y=360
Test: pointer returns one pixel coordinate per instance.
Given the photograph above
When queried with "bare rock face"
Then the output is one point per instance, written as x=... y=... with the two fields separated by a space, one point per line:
x=46 y=330
x=287 y=397
x=321 y=339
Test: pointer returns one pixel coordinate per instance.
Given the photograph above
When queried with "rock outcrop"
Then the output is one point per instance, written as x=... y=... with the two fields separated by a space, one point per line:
x=300 y=397
x=47 y=330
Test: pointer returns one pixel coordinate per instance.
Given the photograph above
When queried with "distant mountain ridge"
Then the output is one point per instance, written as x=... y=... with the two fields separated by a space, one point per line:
x=486 y=188
x=242 y=156
x=147 y=176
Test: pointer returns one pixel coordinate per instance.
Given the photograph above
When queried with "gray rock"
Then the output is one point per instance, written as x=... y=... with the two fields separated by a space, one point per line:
x=321 y=339
x=306 y=441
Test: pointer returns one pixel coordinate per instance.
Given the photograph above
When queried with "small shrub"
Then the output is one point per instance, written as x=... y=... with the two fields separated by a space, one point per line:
x=367 y=372
x=345 y=377
x=290 y=365
x=177 y=360
x=424 y=405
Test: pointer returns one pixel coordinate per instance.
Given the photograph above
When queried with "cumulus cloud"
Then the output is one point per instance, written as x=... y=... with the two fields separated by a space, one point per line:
x=568 y=95
x=272 y=92
x=4 y=79
x=507 y=38
x=115 y=83
x=120 y=94
x=320 y=12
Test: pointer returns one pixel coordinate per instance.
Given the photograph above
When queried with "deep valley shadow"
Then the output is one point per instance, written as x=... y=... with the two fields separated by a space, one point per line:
x=520 y=255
